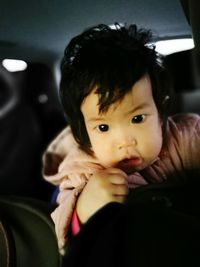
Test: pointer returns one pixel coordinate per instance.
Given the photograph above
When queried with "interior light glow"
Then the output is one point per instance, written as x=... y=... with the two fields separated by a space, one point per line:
x=166 y=47
x=14 y=65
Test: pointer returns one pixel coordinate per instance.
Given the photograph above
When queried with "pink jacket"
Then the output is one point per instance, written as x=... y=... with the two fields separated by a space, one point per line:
x=67 y=166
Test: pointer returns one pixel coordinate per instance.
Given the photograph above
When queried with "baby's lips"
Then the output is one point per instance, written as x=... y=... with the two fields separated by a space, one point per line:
x=131 y=163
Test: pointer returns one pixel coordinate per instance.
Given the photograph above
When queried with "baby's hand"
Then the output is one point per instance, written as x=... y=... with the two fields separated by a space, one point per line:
x=103 y=187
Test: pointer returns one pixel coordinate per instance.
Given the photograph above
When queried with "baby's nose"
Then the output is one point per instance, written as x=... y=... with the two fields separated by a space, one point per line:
x=127 y=143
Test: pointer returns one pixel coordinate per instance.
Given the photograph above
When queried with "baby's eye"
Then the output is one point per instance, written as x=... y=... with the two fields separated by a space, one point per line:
x=103 y=128
x=138 y=119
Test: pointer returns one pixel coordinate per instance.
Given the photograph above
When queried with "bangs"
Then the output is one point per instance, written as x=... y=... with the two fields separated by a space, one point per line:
x=111 y=84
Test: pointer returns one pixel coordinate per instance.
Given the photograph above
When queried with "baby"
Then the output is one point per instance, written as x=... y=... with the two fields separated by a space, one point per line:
x=115 y=95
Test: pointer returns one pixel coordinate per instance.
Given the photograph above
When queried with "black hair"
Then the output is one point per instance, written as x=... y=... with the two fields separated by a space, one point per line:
x=112 y=60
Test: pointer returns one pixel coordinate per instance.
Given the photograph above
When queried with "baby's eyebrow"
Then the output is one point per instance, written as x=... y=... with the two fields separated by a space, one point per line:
x=95 y=119
x=138 y=107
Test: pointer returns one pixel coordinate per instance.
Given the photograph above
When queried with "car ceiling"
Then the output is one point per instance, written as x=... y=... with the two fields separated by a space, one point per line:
x=39 y=30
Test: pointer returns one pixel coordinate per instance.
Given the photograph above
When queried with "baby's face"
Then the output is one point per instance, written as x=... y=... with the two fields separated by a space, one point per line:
x=129 y=135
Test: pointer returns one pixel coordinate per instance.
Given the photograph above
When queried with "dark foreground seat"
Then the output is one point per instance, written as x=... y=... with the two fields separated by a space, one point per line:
x=27 y=237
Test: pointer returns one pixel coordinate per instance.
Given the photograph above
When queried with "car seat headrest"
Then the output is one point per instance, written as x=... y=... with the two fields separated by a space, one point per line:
x=181 y=69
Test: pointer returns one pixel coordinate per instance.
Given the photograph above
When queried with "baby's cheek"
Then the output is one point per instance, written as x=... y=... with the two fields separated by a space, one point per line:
x=103 y=156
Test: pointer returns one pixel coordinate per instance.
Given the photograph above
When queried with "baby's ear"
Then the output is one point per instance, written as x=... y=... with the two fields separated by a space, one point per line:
x=165 y=100
x=166 y=104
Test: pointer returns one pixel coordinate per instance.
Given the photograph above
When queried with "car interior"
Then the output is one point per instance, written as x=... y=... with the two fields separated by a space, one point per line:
x=36 y=33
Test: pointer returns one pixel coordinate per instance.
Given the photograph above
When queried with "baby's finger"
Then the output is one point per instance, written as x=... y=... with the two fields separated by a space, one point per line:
x=120 y=190
x=116 y=171
x=118 y=179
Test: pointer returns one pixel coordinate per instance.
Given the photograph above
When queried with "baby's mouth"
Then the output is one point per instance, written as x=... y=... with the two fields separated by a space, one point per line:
x=129 y=165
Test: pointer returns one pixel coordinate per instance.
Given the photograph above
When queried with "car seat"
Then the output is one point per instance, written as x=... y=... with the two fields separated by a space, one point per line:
x=27 y=236
x=183 y=72
x=26 y=127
